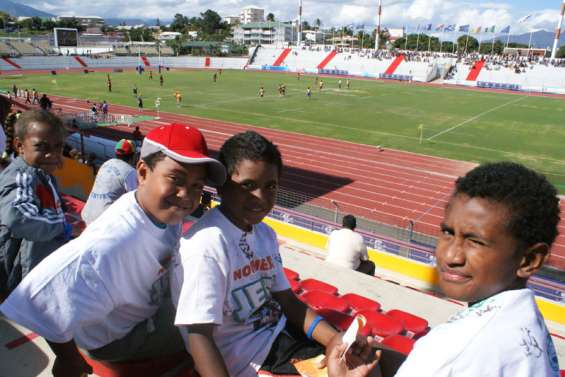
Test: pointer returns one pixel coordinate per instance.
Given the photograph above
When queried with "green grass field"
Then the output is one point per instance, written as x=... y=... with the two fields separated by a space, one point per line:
x=460 y=124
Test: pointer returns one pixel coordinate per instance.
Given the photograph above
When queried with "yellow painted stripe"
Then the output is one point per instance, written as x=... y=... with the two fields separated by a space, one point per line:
x=551 y=311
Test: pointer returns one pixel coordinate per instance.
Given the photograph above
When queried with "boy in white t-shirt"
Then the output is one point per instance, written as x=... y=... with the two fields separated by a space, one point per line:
x=497 y=231
x=107 y=291
x=234 y=297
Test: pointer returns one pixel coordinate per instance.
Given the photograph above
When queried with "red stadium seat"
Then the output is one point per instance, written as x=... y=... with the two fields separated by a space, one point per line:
x=415 y=326
x=322 y=300
x=340 y=320
x=295 y=286
x=316 y=285
x=360 y=303
x=381 y=325
x=563 y=373
x=290 y=274
x=399 y=343
x=144 y=368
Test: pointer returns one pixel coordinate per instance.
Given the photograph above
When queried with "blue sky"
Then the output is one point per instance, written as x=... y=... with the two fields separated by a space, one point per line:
x=396 y=13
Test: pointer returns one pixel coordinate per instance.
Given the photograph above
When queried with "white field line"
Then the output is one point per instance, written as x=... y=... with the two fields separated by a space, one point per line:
x=476 y=117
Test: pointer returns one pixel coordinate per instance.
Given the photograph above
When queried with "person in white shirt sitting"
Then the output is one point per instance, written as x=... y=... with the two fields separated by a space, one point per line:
x=346 y=248
x=497 y=232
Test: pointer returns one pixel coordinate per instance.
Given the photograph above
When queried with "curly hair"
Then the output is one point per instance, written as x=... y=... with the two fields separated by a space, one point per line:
x=249 y=145
x=38 y=116
x=531 y=199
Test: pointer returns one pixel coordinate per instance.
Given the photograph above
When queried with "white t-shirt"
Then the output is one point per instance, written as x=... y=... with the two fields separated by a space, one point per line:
x=222 y=286
x=115 y=178
x=96 y=288
x=346 y=248
x=502 y=336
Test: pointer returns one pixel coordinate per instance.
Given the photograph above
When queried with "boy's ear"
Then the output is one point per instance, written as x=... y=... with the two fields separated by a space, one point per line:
x=142 y=172
x=533 y=259
x=19 y=145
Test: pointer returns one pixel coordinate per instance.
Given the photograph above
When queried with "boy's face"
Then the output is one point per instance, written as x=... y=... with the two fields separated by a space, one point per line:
x=249 y=193
x=477 y=257
x=171 y=190
x=42 y=147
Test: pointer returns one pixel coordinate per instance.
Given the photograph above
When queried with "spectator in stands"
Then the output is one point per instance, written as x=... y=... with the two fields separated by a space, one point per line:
x=497 y=231
x=115 y=177
x=31 y=215
x=235 y=299
x=346 y=248
x=45 y=103
x=107 y=291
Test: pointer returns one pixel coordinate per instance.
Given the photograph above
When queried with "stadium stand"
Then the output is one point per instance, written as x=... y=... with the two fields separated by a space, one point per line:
x=6 y=50
x=23 y=48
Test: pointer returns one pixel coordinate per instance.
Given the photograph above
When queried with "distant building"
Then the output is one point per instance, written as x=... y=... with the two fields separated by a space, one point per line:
x=396 y=34
x=232 y=20
x=92 y=24
x=263 y=33
x=313 y=36
x=251 y=14
x=86 y=21
x=168 y=35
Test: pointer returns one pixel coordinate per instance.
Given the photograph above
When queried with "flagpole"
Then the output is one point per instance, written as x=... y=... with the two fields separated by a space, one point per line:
x=530 y=43
x=492 y=48
x=406 y=40
x=377 y=37
x=429 y=43
x=418 y=38
x=558 y=31
x=467 y=40
x=480 y=41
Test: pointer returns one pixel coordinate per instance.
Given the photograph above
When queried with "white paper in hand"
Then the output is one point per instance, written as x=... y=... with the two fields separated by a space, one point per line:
x=351 y=334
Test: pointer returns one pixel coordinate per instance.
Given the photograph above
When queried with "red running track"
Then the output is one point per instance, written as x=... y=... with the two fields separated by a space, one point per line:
x=383 y=185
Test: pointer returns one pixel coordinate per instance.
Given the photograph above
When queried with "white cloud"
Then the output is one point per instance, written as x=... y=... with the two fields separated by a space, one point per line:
x=395 y=13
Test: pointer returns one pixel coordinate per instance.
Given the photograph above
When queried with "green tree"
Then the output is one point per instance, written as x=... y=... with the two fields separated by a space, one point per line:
x=318 y=23
x=180 y=23
x=472 y=44
x=5 y=18
x=271 y=17
x=561 y=52
x=210 y=22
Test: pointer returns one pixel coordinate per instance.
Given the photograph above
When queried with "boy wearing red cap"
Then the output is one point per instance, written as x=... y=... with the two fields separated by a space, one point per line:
x=115 y=177
x=107 y=291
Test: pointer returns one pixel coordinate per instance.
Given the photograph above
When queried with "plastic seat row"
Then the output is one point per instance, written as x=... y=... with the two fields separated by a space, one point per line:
x=395 y=328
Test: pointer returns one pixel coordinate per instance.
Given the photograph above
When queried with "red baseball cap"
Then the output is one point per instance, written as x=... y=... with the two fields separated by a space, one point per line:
x=185 y=144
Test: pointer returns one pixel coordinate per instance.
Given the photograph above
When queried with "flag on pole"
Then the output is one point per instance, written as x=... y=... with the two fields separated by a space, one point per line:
x=428 y=27
x=440 y=27
x=491 y=30
x=464 y=28
x=506 y=30
x=525 y=18
x=449 y=28
x=477 y=30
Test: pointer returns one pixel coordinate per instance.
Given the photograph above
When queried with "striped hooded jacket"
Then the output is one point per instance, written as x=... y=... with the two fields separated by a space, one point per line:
x=32 y=222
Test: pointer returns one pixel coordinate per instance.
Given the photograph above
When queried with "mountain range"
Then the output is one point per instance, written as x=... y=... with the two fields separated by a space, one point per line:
x=540 y=39
x=20 y=10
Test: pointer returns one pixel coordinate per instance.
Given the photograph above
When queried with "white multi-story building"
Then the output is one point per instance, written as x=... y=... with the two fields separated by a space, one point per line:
x=252 y=14
x=232 y=20
x=257 y=33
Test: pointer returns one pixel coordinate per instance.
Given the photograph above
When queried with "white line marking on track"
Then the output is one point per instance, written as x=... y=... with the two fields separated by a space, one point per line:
x=475 y=117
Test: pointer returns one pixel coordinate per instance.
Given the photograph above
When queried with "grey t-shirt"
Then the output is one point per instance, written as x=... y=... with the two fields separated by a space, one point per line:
x=115 y=178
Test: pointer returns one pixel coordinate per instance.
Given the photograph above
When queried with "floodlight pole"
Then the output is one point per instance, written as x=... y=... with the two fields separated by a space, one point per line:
x=377 y=36
x=299 y=39
x=558 y=32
